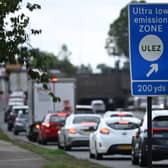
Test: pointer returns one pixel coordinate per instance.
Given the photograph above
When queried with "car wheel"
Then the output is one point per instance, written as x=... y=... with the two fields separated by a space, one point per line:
x=43 y=141
x=134 y=158
x=67 y=148
x=142 y=156
x=98 y=156
x=91 y=155
x=9 y=127
x=15 y=132
x=59 y=145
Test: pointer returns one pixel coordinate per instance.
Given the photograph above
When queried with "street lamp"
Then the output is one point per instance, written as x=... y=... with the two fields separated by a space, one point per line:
x=53 y=80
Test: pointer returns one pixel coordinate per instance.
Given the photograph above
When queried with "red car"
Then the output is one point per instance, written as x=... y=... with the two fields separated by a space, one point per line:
x=51 y=124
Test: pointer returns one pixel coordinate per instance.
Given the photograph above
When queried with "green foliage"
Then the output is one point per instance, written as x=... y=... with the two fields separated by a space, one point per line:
x=54 y=98
x=117 y=42
x=13 y=31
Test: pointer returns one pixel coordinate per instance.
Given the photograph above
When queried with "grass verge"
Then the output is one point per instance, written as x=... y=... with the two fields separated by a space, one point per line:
x=54 y=158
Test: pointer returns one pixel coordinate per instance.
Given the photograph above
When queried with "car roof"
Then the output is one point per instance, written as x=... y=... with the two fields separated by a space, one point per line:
x=156 y=113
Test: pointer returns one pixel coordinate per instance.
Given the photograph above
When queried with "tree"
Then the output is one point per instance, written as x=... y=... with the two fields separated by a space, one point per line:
x=104 y=68
x=13 y=36
x=84 y=69
x=14 y=39
x=117 y=41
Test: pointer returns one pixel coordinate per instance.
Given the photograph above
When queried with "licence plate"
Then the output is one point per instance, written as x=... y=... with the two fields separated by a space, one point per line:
x=124 y=147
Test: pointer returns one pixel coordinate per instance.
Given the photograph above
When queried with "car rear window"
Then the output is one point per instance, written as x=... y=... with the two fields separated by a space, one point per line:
x=160 y=122
x=55 y=118
x=84 y=119
x=84 y=111
x=118 y=115
x=123 y=125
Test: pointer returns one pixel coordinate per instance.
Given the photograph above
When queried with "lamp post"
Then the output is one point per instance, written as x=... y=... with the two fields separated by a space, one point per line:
x=54 y=80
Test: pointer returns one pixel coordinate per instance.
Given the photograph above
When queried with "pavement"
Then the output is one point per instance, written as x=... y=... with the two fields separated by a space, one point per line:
x=12 y=156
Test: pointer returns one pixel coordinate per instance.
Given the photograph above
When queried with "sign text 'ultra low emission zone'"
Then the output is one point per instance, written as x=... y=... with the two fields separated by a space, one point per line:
x=148 y=41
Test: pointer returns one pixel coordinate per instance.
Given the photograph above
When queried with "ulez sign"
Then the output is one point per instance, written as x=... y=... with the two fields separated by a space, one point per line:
x=148 y=47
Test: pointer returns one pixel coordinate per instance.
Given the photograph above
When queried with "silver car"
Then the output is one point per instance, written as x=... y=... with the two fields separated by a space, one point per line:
x=20 y=123
x=76 y=131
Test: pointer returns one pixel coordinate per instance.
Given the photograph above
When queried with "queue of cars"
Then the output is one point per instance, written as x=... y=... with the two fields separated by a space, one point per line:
x=112 y=132
x=16 y=113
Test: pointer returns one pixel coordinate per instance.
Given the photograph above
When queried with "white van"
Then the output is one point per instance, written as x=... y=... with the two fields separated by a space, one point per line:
x=83 y=109
x=98 y=106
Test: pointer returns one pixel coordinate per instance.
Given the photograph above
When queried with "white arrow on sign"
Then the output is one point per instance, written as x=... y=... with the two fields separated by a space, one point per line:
x=154 y=68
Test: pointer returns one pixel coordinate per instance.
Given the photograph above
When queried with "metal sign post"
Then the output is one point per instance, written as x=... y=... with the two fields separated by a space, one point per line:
x=149 y=141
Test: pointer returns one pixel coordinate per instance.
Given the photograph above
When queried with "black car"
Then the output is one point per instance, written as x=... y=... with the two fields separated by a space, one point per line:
x=159 y=139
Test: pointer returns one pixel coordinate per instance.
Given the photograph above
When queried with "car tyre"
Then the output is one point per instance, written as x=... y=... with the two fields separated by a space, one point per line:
x=134 y=158
x=67 y=148
x=91 y=155
x=15 y=132
x=142 y=156
x=59 y=145
x=43 y=141
x=98 y=156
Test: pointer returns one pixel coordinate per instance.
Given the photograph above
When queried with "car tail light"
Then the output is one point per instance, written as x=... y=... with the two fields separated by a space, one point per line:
x=37 y=126
x=72 y=131
x=104 y=131
x=158 y=130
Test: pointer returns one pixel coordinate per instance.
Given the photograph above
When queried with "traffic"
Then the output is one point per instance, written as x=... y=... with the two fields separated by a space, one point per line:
x=101 y=136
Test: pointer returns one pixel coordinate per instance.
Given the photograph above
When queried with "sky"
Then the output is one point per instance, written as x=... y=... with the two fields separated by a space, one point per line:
x=80 y=24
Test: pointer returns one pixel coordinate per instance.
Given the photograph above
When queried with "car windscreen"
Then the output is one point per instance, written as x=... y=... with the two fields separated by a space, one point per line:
x=86 y=119
x=55 y=118
x=123 y=125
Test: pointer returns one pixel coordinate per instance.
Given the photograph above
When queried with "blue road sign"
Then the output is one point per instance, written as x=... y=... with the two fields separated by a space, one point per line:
x=148 y=41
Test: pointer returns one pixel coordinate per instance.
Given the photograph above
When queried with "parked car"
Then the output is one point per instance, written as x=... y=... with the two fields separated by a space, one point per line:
x=20 y=123
x=113 y=136
x=76 y=130
x=49 y=127
x=159 y=139
x=98 y=106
